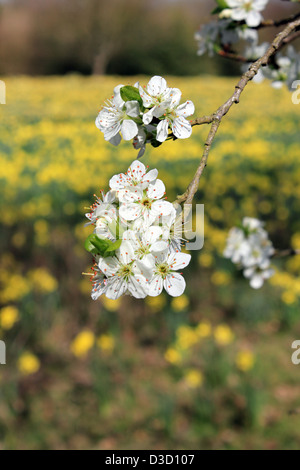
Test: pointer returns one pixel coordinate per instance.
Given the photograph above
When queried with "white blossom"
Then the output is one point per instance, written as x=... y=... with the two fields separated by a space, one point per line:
x=154 y=95
x=146 y=242
x=123 y=275
x=246 y=10
x=103 y=207
x=286 y=71
x=144 y=114
x=165 y=276
x=136 y=238
x=249 y=247
x=99 y=283
x=174 y=116
x=147 y=204
x=257 y=276
x=136 y=177
x=237 y=247
x=115 y=118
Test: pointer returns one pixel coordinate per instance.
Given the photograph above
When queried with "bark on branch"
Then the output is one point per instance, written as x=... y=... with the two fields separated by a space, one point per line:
x=215 y=118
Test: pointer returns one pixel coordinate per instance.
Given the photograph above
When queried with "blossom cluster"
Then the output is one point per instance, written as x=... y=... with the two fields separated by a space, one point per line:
x=238 y=21
x=235 y=23
x=286 y=69
x=148 y=114
x=249 y=247
x=136 y=247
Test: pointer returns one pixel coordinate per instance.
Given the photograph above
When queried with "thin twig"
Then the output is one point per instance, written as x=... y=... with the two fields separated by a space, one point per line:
x=291 y=38
x=278 y=23
x=239 y=58
x=234 y=56
x=215 y=118
x=285 y=253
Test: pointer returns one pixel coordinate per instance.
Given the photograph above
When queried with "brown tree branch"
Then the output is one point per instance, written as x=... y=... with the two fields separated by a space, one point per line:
x=216 y=118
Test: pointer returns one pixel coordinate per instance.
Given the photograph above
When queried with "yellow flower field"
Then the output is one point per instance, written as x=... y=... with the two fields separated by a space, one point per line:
x=210 y=363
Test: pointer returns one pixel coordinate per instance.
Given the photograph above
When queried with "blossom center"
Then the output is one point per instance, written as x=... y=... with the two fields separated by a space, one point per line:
x=146 y=202
x=248 y=6
x=143 y=250
x=163 y=270
x=125 y=271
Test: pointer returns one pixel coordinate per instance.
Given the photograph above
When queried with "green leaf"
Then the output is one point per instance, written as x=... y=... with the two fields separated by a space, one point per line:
x=101 y=246
x=96 y=245
x=113 y=247
x=216 y=11
x=100 y=243
x=221 y=6
x=217 y=48
x=131 y=93
x=88 y=245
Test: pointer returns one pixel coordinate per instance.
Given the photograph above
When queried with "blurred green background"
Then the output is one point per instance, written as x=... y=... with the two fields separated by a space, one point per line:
x=209 y=370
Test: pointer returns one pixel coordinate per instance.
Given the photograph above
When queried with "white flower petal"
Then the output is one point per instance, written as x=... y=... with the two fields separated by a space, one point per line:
x=137 y=286
x=148 y=116
x=147 y=100
x=161 y=207
x=113 y=130
x=151 y=235
x=161 y=108
x=126 y=253
x=145 y=267
x=129 y=129
x=156 y=86
x=162 y=130
x=149 y=177
x=257 y=281
x=186 y=109
x=137 y=170
x=174 y=284
x=109 y=266
x=118 y=101
x=238 y=14
x=182 y=128
x=131 y=194
x=253 y=19
x=156 y=190
x=175 y=97
x=99 y=287
x=277 y=84
x=233 y=3
x=115 y=288
x=132 y=109
x=115 y=140
x=130 y=210
x=179 y=260
x=159 y=247
x=131 y=237
x=118 y=181
x=155 y=286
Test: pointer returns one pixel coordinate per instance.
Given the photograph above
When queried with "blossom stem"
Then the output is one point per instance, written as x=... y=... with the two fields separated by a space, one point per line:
x=278 y=23
x=216 y=118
